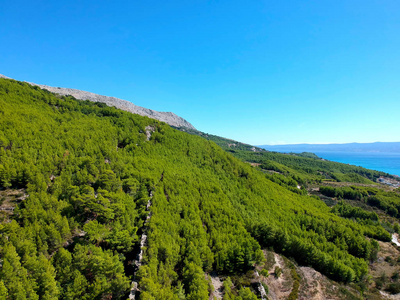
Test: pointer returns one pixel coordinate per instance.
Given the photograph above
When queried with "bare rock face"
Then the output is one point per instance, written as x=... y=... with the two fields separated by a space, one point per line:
x=167 y=117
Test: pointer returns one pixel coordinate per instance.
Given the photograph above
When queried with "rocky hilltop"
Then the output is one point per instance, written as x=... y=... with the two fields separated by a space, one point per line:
x=167 y=117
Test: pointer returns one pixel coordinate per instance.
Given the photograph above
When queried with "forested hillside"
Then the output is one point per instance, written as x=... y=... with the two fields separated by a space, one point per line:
x=81 y=182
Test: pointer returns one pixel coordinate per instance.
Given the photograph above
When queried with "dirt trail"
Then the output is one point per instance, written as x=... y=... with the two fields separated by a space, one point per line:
x=218 y=285
x=391 y=297
x=9 y=198
x=395 y=239
x=311 y=287
x=143 y=241
x=279 y=288
x=261 y=288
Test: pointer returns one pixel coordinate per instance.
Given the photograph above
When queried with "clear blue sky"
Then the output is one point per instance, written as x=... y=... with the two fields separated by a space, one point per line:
x=261 y=72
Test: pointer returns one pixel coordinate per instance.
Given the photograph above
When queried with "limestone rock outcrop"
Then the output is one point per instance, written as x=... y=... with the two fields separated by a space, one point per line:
x=167 y=117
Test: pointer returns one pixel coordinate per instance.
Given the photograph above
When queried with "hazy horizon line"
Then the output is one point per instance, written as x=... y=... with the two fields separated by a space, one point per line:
x=321 y=143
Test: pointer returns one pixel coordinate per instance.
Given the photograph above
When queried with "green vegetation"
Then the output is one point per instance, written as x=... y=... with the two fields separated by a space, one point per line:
x=306 y=154
x=309 y=169
x=388 y=201
x=243 y=293
x=224 y=143
x=89 y=171
x=296 y=283
x=277 y=272
x=302 y=167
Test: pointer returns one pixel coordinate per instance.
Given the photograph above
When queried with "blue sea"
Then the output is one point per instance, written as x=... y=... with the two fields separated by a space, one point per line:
x=380 y=161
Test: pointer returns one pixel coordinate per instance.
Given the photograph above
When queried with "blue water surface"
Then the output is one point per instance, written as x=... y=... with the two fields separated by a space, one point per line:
x=380 y=161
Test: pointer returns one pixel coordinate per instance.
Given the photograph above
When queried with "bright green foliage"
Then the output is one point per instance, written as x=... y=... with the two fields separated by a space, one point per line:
x=102 y=270
x=196 y=284
x=89 y=171
x=246 y=294
x=296 y=283
x=15 y=276
x=347 y=211
x=228 y=295
x=306 y=168
x=264 y=272
x=3 y=290
x=388 y=201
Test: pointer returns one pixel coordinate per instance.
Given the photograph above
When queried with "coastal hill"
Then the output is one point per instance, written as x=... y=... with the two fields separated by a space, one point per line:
x=100 y=203
x=167 y=117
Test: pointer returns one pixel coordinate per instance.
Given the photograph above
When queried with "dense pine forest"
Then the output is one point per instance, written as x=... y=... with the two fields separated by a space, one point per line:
x=81 y=183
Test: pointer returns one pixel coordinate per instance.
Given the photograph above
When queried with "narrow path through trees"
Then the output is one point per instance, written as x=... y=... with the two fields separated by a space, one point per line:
x=143 y=240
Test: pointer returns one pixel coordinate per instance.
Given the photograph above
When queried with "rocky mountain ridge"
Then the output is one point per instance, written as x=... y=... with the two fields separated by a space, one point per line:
x=167 y=117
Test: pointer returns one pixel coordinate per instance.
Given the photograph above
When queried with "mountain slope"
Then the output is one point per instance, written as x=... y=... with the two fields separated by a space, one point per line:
x=224 y=143
x=108 y=197
x=167 y=117
x=306 y=167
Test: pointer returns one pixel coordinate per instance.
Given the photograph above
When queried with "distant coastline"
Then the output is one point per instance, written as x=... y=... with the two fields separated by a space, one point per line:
x=383 y=157
x=384 y=147
x=378 y=156
x=387 y=162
